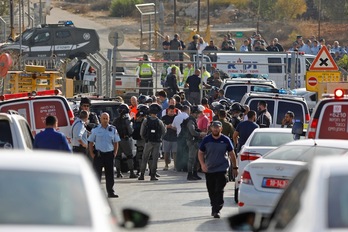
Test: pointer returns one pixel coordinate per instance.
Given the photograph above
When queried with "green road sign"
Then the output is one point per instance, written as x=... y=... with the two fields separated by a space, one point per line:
x=239 y=34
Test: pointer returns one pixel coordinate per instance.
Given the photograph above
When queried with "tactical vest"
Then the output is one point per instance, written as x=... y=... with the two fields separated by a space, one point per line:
x=121 y=126
x=153 y=131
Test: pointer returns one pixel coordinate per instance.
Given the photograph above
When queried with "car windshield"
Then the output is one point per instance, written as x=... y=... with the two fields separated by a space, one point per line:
x=273 y=139
x=302 y=152
x=110 y=109
x=43 y=198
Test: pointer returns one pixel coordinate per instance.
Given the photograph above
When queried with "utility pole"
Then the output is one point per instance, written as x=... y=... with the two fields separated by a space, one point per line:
x=319 y=19
x=175 y=31
x=198 y=15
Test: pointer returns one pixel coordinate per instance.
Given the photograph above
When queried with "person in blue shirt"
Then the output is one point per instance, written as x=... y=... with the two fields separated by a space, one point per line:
x=244 y=130
x=50 y=139
x=214 y=161
x=105 y=138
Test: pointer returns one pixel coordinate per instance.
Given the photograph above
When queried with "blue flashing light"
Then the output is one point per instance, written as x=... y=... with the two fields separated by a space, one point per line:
x=69 y=23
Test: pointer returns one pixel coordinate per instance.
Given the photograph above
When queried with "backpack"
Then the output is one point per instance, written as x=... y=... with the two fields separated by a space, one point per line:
x=184 y=133
x=136 y=129
x=153 y=131
x=121 y=126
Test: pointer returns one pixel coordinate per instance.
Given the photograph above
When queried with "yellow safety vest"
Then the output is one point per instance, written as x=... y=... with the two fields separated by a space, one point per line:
x=187 y=72
x=145 y=70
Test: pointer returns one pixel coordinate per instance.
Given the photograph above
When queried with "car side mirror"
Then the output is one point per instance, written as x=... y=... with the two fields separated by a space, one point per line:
x=247 y=221
x=134 y=219
x=297 y=130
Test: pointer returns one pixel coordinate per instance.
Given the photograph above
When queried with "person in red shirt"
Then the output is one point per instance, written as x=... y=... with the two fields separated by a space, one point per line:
x=207 y=111
x=133 y=107
x=202 y=120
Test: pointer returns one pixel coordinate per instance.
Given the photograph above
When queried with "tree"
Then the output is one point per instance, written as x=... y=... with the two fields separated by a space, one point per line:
x=286 y=10
x=333 y=9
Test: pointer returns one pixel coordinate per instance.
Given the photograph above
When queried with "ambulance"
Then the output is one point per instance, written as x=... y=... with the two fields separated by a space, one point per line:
x=279 y=67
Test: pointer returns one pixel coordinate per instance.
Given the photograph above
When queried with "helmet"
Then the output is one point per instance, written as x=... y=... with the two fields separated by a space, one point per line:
x=123 y=109
x=85 y=100
x=143 y=109
x=148 y=99
x=217 y=106
x=142 y=99
x=226 y=103
x=195 y=109
x=154 y=108
x=237 y=107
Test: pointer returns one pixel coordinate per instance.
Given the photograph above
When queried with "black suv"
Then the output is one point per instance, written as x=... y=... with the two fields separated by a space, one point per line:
x=62 y=40
x=278 y=105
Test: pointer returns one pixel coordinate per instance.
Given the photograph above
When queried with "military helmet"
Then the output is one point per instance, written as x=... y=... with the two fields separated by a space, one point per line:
x=123 y=109
x=237 y=107
x=195 y=109
x=217 y=106
x=154 y=108
x=143 y=109
x=226 y=103
x=85 y=100
x=142 y=99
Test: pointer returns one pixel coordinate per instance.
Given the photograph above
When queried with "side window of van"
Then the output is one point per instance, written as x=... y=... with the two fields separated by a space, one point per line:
x=275 y=68
x=285 y=106
x=42 y=37
x=63 y=34
x=270 y=106
x=5 y=135
x=235 y=92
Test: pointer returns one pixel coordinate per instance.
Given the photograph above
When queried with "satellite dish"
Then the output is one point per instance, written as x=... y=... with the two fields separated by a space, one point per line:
x=5 y=64
x=116 y=36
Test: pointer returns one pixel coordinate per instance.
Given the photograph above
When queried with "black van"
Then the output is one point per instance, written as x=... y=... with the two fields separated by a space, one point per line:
x=62 y=40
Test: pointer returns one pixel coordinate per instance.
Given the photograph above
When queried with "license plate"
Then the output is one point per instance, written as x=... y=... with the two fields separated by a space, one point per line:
x=274 y=183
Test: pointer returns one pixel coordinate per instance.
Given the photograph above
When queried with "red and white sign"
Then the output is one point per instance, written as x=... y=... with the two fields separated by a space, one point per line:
x=323 y=61
x=312 y=81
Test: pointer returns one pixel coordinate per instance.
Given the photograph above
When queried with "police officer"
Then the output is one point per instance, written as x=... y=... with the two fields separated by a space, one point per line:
x=125 y=129
x=145 y=71
x=79 y=133
x=85 y=104
x=106 y=138
x=143 y=111
x=193 y=136
x=152 y=131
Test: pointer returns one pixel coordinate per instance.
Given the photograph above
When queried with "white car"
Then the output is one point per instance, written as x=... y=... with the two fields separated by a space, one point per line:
x=49 y=191
x=316 y=200
x=259 y=143
x=265 y=179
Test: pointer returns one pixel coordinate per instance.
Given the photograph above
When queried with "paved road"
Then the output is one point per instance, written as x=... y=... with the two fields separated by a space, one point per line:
x=173 y=203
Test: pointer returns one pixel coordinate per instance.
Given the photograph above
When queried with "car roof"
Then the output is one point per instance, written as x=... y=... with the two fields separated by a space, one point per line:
x=105 y=102
x=40 y=160
x=274 y=95
x=320 y=142
x=270 y=130
x=248 y=80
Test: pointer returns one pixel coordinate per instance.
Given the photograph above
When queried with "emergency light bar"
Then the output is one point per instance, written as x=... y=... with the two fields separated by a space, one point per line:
x=31 y=94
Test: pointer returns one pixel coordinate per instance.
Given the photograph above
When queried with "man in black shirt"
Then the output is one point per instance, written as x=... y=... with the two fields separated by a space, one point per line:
x=172 y=83
x=193 y=82
x=170 y=137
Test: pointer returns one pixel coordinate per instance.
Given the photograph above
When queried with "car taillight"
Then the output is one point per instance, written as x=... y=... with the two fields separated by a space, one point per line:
x=308 y=117
x=71 y=116
x=246 y=178
x=313 y=128
x=249 y=156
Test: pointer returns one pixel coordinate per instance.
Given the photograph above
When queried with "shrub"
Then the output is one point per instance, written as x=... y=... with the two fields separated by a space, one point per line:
x=101 y=5
x=123 y=8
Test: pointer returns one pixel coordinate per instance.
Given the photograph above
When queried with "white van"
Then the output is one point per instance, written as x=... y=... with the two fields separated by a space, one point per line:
x=274 y=64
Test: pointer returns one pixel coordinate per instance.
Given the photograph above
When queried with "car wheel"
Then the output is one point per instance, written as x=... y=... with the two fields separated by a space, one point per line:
x=236 y=195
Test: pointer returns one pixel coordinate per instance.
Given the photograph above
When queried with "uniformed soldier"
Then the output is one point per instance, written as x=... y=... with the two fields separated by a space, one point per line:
x=125 y=129
x=145 y=71
x=79 y=133
x=105 y=138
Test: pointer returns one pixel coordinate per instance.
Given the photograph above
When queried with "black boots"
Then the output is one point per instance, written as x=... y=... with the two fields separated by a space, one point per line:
x=153 y=177
x=196 y=176
x=141 y=177
x=193 y=176
x=132 y=174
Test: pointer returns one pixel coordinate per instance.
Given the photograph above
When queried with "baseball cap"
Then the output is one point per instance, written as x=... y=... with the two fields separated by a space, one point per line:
x=216 y=123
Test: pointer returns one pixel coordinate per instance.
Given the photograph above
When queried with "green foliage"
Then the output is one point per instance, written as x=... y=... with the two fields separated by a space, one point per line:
x=101 y=5
x=333 y=9
x=343 y=62
x=290 y=9
x=123 y=8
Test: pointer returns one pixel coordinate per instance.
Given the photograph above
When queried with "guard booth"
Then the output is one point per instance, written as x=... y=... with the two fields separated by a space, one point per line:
x=33 y=78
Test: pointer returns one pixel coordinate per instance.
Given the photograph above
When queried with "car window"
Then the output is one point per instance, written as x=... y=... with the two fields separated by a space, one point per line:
x=43 y=108
x=28 y=137
x=303 y=153
x=333 y=121
x=5 y=135
x=337 y=204
x=110 y=109
x=270 y=105
x=290 y=202
x=284 y=106
x=236 y=92
x=21 y=107
x=275 y=68
x=273 y=139
x=63 y=34
x=43 y=198
x=42 y=37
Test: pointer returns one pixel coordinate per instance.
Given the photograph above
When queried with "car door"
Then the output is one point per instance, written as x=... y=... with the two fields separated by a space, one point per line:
x=63 y=42
x=41 y=43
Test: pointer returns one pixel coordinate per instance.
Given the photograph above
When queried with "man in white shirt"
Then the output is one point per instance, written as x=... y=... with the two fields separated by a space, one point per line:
x=182 y=149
